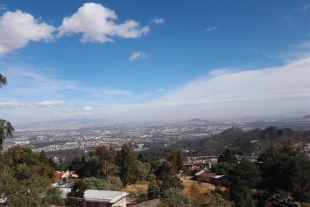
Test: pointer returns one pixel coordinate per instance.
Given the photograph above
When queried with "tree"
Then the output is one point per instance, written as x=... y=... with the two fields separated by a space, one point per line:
x=108 y=183
x=176 y=159
x=141 y=170
x=77 y=194
x=6 y=128
x=126 y=160
x=242 y=196
x=43 y=158
x=34 y=192
x=163 y=169
x=228 y=157
x=106 y=160
x=170 y=182
x=246 y=173
x=3 y=81
x=222 y=168
x=286 y=169
x=174 y=197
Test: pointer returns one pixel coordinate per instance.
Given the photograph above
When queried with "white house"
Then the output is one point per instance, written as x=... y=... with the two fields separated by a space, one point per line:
x=101 y=198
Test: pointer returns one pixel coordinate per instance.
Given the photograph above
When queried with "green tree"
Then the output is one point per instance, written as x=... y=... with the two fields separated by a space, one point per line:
x=163 y=169
x=43 y=158
x=6 y=128
x=286 y=169
x=106 y=160
x=76 y=196
x=222 y=168
x=246 y=173
x=242 y=196
x=174 y=197
x=126 y=160
x=228 y=156
x=20 y=171
x=170 y=182
x=34 y=192
x=78 y=164
x=176 y=159
x=108 y=183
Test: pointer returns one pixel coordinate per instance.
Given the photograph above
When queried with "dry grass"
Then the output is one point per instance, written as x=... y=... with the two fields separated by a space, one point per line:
x=137 y=188
x=142 y=186
x=203 y=187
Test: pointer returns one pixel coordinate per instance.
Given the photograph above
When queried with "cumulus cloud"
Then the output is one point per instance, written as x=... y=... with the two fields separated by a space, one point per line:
x=138 y=55
x=209 y=29
x=18 y=28
x=97 y=24
x=157 y=20
x=43 y=104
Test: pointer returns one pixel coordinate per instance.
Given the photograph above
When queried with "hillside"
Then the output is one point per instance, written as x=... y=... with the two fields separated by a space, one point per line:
x=253 y=142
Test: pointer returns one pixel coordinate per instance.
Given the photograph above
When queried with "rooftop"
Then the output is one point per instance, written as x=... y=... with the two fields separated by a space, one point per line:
x=103 y=196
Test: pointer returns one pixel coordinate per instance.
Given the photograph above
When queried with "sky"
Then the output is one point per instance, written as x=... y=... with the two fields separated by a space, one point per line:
x=153 y=60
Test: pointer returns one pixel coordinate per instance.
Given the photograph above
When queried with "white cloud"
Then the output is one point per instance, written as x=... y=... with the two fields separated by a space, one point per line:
x=138 y=55
x=209 y=29
x=75 y=112
x=87 y=108
x=97 y=24
x=291 y=81
x=158 y=20
x=223 y=93
x=43 y=104
x=304 y=8
x=18 y=28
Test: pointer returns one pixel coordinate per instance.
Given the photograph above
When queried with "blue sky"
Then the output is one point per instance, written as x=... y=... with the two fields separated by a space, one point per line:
x=153 y=60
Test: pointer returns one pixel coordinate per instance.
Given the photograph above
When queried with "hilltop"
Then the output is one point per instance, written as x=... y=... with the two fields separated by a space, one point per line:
x=306 y=117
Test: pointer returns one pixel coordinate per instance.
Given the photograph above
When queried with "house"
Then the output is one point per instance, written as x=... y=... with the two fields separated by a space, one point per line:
x=101 y=198
x=210 y=177
x=197 y=164
x=204 y=176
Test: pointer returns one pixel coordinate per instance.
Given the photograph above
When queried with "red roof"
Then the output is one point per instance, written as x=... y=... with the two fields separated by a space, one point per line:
x=58 y=175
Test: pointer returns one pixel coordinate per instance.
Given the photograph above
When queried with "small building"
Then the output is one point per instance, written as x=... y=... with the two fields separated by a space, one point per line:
x=101 y=198
x=204 y=176
x=210 y=177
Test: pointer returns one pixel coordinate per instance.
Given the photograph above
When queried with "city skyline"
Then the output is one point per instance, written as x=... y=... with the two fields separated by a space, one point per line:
x=153 y=60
